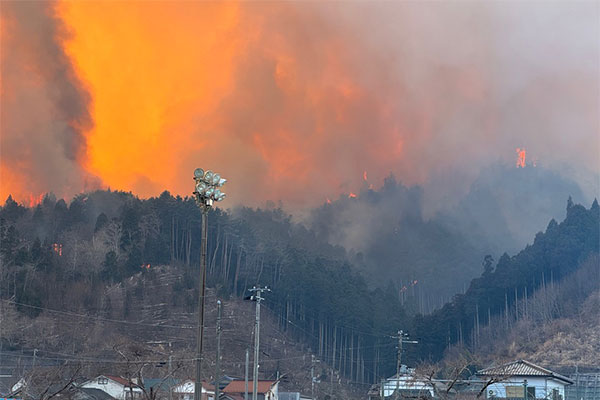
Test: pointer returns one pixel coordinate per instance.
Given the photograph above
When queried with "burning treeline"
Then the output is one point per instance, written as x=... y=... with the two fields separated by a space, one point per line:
x=291 y=101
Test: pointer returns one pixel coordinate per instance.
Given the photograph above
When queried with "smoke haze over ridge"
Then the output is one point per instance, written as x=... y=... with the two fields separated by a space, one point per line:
x=291 y=100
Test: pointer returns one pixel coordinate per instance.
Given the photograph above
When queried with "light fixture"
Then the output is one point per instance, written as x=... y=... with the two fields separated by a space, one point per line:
x=206 y=187
x=215 y=179
x=198 y=173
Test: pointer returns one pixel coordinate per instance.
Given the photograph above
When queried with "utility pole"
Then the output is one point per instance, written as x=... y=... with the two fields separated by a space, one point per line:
x=257 y=296
x=218 y=362
x=402 y=338
x=246 y=375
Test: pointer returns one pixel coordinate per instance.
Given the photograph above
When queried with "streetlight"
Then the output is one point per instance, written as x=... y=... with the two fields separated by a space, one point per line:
x=205 y=193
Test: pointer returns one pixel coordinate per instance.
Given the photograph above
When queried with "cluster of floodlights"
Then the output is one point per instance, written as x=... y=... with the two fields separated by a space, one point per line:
x=207 y=184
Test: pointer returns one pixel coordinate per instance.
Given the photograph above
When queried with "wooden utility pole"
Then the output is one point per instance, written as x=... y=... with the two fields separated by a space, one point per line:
x=402 y=338
x=257 y=296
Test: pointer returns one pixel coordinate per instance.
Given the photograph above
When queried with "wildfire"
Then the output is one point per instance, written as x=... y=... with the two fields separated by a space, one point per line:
x=411 y=284
x=365 y=176
x=35 y=200
x=57 y=248
x=352 y=196
x=521 y=155
x=328 y=201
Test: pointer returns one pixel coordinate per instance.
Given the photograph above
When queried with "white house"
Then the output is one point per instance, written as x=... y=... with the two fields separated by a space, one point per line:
x=524 y=380
x=185 y=391
x=117 y=387
x=409 y=384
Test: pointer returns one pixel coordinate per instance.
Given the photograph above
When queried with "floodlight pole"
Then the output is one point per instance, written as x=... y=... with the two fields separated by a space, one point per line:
x=201 y=292
x=206 y=192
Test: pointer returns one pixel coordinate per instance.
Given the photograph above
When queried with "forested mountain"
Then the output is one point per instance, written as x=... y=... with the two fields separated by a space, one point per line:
x=554 y=255
x=60 y=256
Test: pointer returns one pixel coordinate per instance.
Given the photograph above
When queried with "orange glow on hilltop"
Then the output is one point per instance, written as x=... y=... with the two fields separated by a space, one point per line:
x=352 y=196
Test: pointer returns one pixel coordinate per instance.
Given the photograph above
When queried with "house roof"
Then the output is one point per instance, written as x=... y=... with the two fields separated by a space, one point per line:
x=522 y=368
x=160 y=383
x=232 y=396
x=97 y=394
x=121 y=381
x=239 y=386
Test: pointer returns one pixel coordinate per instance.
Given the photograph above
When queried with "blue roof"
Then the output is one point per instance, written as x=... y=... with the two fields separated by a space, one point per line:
x=160 y=383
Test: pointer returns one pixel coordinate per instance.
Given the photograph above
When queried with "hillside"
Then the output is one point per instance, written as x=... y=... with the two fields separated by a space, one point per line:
x=556 y=255
x=133 y=265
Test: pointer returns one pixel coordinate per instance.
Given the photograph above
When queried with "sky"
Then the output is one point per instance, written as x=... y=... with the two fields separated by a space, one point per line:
x=293 y=101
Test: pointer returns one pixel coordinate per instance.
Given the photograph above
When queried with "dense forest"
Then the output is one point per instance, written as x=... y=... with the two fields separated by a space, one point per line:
x=63 y=256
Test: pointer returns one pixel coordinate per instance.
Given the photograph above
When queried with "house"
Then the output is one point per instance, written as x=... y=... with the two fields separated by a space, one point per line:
x=116 y=386
x=186 y=389
x=81 y=393
x=409 y=386
x=266 y=390
x=159 y=388
x=524 y=380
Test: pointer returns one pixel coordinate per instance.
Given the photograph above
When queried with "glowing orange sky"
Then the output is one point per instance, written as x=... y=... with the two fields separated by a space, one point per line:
x=151 y=81
x=298 y=101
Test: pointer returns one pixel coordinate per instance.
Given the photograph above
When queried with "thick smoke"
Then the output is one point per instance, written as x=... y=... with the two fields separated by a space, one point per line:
x=295 y=100
x=44 y=109
x=428 y=91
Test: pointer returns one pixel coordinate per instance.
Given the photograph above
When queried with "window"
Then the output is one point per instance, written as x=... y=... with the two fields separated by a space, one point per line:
x=514 y=391
x=102 y=381
x=531 y=392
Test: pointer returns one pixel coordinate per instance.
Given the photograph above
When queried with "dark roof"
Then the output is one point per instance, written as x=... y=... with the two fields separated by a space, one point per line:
x=522 y=368
x=95 y=394
x=160 y=383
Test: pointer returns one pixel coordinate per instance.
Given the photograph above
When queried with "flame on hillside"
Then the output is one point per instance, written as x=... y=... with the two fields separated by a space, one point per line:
x=521 y=158
x=57 y=248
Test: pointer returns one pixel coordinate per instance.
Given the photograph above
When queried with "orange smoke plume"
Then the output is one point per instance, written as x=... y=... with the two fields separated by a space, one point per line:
x=280 y=98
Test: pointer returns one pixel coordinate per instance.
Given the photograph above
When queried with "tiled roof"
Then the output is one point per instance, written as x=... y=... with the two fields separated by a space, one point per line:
x=522 y=368
x=239 y=387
